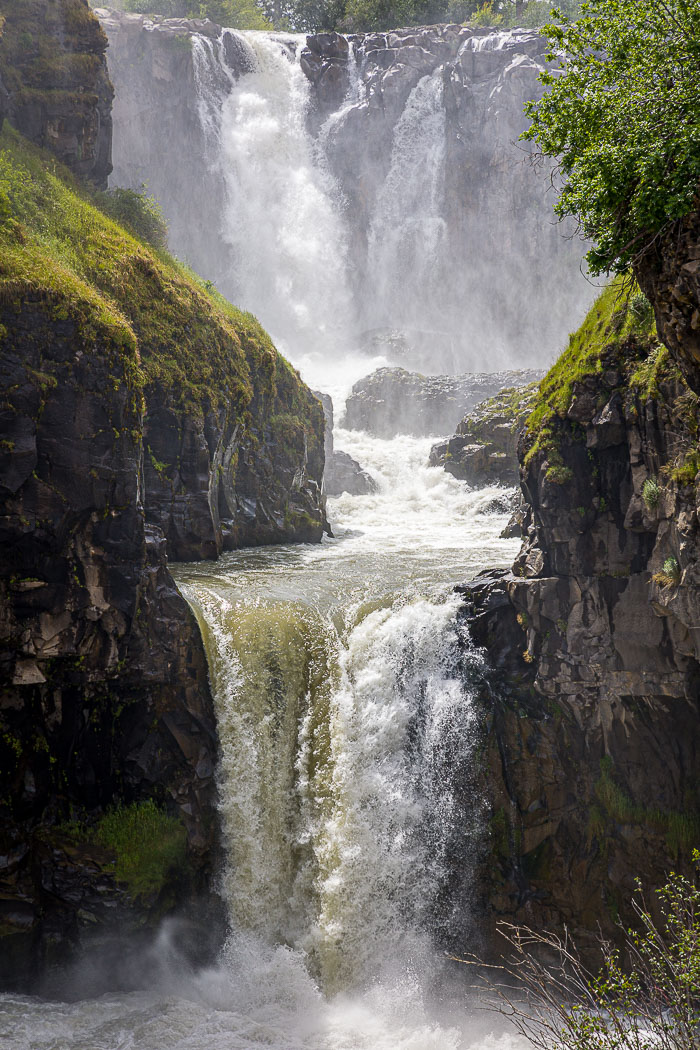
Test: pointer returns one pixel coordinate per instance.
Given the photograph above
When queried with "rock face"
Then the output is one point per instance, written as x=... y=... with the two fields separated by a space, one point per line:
x=411 y=218
x=669 y=274
x=215 y=482
x=594 y=748
x=105 y=691
x=393 y=401
x=54 y=86
x=342 y=472
x=483 y=450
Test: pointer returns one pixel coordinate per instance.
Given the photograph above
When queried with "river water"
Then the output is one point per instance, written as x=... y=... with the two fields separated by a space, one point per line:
x=342 y=685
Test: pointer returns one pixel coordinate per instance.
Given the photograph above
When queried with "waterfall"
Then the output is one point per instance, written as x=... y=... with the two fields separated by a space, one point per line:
x=407 y=235
x=282 y=219
x=344 y=752
x=383 y=187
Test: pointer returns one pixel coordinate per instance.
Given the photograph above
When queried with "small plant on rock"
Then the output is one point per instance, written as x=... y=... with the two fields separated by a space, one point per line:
x=670 y=574
x=650 y=1003
x=651 y=493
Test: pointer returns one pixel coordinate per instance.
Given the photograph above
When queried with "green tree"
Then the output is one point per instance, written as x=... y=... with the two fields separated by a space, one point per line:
x=236 y=14
x=646 y=996
x=622 y=118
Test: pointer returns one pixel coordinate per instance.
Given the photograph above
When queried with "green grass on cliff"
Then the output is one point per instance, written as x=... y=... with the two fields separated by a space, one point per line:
x=57 y=247
x=147 y=844
x=33 y=68
x=621 y=320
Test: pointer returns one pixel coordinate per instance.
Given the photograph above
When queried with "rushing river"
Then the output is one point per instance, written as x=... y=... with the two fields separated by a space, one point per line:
x=348 y=735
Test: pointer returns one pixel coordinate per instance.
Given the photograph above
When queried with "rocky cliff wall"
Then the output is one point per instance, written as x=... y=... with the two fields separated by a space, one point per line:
x=594 y=756
x=54 y=85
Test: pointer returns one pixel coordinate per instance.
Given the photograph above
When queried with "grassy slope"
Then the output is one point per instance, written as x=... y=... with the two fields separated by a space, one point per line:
x=621 y=320
x=55 y=245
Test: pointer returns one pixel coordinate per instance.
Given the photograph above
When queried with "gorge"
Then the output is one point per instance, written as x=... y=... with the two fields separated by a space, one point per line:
x=379 y=724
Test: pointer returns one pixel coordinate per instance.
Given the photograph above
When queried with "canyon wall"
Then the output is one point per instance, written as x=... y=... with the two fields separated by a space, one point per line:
x=594 y=756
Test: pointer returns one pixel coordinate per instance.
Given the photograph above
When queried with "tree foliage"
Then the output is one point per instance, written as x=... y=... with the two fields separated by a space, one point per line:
x=311 y=16
x=646 y=996
x=236 y=14
x=622 y=117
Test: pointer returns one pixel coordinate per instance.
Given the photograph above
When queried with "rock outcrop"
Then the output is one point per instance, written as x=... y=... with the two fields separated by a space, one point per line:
x=669 y=274
x=54 y=86
x=394 y=401
x=594 y=749
x=484 y=449
x=342 y=472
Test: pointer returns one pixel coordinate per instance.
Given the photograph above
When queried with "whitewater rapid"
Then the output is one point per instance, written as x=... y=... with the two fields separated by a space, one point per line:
x=343 y=683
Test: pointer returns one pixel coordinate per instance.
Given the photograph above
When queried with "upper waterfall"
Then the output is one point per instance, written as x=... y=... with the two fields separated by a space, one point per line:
x=282 y=219
x=341 y=188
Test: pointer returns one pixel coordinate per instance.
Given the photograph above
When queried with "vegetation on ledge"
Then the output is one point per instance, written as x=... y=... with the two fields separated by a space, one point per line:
x=621 y=320
x=56 y=244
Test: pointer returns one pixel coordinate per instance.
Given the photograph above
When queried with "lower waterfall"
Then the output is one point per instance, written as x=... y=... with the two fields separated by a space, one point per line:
x=347 y=796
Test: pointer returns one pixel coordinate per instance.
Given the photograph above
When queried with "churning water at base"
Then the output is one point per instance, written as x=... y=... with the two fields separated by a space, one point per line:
x=342 y=684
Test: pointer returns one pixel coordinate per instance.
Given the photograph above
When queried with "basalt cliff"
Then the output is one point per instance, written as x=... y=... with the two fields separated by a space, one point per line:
x=142 y=418
x=592 y=704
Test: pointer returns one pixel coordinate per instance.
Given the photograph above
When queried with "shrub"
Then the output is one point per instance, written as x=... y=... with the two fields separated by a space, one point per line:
x=138 y=212
x=486 y=16
x=147 y=842
x=651 y=493
x=557 y=1003
x=670 y=574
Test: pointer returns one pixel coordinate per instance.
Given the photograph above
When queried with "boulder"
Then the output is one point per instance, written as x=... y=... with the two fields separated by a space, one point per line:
x=394 y=401
x=344 y=474
x=483 y=450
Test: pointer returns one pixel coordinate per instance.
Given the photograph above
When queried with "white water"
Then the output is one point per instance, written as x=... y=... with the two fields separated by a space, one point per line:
x=407 y=235
x=283 y=216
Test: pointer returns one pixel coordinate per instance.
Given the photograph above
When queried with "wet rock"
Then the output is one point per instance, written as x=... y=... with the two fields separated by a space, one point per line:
x=63 y=105
x=592 y=706
x=484 y=448
x=344 y=474
x=394 y=401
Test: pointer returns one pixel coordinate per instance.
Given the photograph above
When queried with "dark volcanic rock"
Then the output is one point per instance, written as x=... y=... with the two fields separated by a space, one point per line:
x=594 y=754
x=105 y=692
x=484 y=448
x=54 y=86
x=393 y=401
x=342 y=473
x=213 y=483
x=669 y=274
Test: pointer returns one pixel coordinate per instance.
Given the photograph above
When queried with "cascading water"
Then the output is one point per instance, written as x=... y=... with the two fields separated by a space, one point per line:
x=386 y=189
x=407 y=234
x=282 y=218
